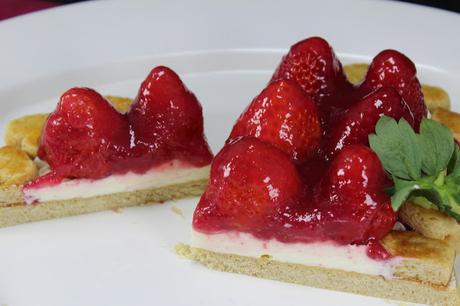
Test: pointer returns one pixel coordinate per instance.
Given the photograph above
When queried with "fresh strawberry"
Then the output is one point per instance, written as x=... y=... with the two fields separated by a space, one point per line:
x=85 y=136
x=392 y=68
x=167 y=120
x=352 y=195
x=356 y=123
x=314 y=65
x=250 y=181
x=283 y=115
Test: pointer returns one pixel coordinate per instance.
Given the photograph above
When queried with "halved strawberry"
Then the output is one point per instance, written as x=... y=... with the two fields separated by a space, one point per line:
x=283 y=115
x=313 y=64
x=85 y=136
x=351 y=195
x=356 y=123
x=391 y=68
x=167 y=120
x=250 y=181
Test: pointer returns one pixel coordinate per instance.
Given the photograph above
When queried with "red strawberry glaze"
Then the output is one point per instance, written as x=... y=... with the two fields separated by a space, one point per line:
x=355 y=124
x=167 y=121
x=335 y=189
x=313 y=64
x=285 y=116
x=393 y=69
x=353 y=192
x=376 y=250
x=48 y=179
x=256 y=188
x=85 y=137
x=247 y=170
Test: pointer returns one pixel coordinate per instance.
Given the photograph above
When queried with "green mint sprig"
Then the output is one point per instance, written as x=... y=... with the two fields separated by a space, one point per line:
x=424 y=165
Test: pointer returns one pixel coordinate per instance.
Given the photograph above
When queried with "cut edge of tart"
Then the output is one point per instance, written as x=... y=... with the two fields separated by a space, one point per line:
x=19 y=213
x=421 y=270
x=31 y=189
x=81 y=196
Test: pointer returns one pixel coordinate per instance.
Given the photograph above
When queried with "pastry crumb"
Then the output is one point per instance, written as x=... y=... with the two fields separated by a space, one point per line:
x=177 y=211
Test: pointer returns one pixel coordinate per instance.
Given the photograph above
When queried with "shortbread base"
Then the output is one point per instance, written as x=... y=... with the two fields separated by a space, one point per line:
x=431 y=223
x=20 y=213
x=371 y=285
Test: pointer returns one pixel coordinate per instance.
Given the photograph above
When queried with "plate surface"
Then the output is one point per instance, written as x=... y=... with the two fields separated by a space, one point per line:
x=225 y=53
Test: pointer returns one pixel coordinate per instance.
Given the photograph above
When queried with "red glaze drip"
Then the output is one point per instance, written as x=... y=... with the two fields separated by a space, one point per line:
x=377 y=251
x=49 y=179
x=335 y=191
x=85 y=137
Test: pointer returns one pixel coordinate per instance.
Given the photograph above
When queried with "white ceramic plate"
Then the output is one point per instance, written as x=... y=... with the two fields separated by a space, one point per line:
x=225 y=52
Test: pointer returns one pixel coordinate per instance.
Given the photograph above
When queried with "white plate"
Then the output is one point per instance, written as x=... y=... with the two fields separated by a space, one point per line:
x=225 y=52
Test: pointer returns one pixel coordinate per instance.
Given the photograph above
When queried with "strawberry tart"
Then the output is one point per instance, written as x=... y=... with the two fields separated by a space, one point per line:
x=304 y=192
x=93 y=157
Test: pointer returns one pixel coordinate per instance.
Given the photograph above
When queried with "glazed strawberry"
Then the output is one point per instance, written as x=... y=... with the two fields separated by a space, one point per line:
x=250 y=181
x=167 y=120
x=356 y=123
x=255 y=188
x=313 y=64
x=394 y=69
x=85 y=136
x=337 y=191
x=283 y=115
x=352 y=192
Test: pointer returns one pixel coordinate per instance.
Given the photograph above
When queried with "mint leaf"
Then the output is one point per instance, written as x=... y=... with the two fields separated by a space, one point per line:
x=447 y=201
x=436 y=146
x=453 y=169
x=397 y=147
x=424 y=166
x=401 y=192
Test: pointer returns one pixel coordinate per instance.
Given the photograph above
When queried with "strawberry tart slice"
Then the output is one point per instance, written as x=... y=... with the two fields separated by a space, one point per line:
x=297 y=194
x=92 y=157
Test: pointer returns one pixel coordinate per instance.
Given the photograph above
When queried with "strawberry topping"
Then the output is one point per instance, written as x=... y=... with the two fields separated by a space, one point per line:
x=355 y=124
x=77 y=139
x=285 y=116
x=167 y=121
x=86 y=137
x=250 y=181
x=256 y=188
x=391 y=68
x=298 y=167
x=313 y=64
x=352 y=190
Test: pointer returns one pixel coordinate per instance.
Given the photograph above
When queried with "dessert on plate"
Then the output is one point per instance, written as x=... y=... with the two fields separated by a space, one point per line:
x=307 y=187
x=94 y=153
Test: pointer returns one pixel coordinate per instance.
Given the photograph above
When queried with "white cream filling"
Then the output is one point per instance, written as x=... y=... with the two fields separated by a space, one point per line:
x=351 y=258
x=172 y=173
